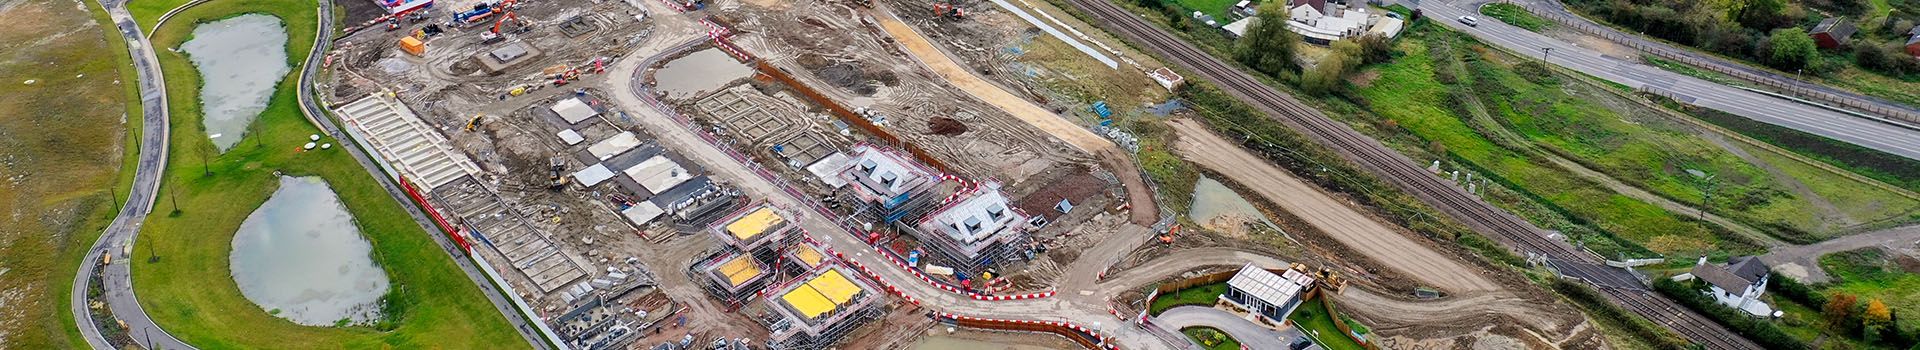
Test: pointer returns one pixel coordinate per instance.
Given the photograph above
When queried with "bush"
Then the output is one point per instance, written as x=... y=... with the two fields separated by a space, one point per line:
x=1791 y=49
x=1603 y=310
x=1792 y=289
x=1758 y=330
x=1887 y=59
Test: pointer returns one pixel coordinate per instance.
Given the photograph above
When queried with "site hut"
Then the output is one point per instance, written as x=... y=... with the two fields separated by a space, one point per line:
x=1268 y=295
x=819 y=309
x=888 y=186
x=979 y=228
x=755 y=238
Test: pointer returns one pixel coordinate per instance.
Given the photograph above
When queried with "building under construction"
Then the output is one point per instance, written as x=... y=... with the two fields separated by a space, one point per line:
x=886 y=185
x=755 y=239
x=974 y=229
x=817 y=310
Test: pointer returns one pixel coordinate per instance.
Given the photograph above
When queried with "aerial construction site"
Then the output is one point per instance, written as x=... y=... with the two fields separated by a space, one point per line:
x=859 y=174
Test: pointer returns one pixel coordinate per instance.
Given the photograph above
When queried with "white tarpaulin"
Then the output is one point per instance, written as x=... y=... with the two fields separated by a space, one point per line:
x=593 y=175
x=658 y=174
x=614 y=146
x=573 y=110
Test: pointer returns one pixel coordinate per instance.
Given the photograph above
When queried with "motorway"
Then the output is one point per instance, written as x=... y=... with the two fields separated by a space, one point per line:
x=118 y=283
x=1868 y=133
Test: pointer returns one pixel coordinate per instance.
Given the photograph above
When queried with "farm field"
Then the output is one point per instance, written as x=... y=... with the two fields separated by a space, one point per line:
x=190 y=290
x=65 y=145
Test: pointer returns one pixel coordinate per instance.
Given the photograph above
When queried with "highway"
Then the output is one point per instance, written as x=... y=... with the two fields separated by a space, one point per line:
x=118 y=283
x=1873 y=134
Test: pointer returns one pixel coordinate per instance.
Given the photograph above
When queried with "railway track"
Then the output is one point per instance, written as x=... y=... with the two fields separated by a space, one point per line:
x=1520 y=236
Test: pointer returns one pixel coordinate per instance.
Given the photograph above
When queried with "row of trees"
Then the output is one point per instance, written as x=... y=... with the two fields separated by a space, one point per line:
x=1770 y=32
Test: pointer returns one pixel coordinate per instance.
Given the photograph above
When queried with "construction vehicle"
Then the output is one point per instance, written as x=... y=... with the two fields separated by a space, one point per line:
x=480 y=11
x=948 y=10
x=475 y=122
x=556 y=170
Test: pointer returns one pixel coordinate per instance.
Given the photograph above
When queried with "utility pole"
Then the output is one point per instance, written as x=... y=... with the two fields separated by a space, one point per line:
x=1545 y=52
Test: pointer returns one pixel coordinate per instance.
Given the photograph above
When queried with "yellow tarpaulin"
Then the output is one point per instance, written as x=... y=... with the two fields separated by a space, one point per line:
x=739 y=270
x=808 y=302
x=755 y=223
x=835 y=286
x=808 y=255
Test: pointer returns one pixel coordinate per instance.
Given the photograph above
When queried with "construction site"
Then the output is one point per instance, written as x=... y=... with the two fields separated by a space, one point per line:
x=786 y=174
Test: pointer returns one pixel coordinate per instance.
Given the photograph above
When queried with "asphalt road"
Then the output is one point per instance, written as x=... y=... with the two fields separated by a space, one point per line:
x=1768 y=109
x=118 y=284
x=1250 y=335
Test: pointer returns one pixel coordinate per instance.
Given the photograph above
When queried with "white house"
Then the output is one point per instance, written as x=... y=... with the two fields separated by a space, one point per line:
x=1738 y=284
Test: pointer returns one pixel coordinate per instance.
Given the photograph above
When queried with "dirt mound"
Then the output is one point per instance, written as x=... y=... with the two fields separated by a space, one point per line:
x=944 y=126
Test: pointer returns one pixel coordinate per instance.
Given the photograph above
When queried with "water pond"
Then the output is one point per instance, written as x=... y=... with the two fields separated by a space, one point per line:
x=240 y=59
x=300 y=257
x=703 y=71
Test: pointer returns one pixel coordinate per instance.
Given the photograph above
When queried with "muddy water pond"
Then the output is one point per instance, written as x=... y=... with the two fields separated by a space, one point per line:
x=240 y=59
x=1215 y=202
x=702 y=71
x=301 y=258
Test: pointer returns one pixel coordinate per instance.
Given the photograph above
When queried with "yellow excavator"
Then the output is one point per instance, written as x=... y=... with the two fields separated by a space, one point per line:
x=475 y=122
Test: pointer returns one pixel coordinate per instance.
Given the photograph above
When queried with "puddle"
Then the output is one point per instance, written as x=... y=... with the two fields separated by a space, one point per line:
x=941 y=342
x=1214 y=204
x=240 y=60
x=301 y=258
x=703 y=71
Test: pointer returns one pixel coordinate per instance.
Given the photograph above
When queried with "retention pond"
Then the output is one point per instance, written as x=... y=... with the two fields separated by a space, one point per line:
x=240 y=59
x=702 y=71
x=1216 y=206
x=301 y=258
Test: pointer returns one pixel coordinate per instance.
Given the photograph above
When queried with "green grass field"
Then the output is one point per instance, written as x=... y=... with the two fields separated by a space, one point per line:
x=190 y=292
x=1215 y=8
x=1211 y=338
x=1515 y=15
x=1201 y=295
x=1870 y=274
x=1312 y=317
x=66 y=146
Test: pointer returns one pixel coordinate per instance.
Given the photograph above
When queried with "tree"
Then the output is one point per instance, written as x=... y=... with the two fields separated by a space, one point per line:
x=1760 y=14
x=1877 y=312
x=1374 y=48
x=1839 y=312
x=1327 y=73
x=1791 y=48
x=1268 y=46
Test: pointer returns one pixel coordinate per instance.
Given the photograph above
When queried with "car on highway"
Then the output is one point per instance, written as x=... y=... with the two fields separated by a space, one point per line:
x=1470 y=21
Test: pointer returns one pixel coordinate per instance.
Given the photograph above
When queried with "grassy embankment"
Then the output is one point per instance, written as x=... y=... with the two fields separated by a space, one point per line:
x=1211 y=338
x=1201 y=295
x=1311 y=316
x=68 y=152
x=1516 y=16
x=190 y=290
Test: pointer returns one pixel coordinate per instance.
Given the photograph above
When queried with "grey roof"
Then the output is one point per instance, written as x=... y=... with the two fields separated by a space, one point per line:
x=1734 y=277
x=1269 y=287
x=1838 y=27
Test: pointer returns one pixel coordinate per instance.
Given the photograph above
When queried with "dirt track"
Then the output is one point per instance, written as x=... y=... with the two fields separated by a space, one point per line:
x=1356 y=230
x=1144 y=212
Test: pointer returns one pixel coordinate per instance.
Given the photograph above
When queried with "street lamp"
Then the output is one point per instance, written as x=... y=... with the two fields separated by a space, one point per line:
x=1545 y=52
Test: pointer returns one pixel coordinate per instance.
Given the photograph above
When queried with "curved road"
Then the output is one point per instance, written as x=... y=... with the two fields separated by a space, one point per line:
x=117 y=281
x=1249 y=335
x=1760 y=107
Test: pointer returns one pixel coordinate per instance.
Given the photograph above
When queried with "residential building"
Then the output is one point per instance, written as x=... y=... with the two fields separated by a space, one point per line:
x=975 y=229
x=1738 y=284
x=891 y=185
x=1913 y=42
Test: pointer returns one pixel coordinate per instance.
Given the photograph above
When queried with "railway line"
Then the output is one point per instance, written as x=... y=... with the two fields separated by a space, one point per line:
x=1518 y=235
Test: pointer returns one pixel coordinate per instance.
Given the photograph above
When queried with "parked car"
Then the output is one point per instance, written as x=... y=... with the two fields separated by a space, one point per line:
x=1470 y=21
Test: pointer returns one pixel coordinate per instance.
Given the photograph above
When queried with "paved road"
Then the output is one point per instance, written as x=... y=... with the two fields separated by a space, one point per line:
x=118 y=284
x=1772 y=110
x=1250 y=335
x=1893 y=111
x=1802 y=261
x=317 y=114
